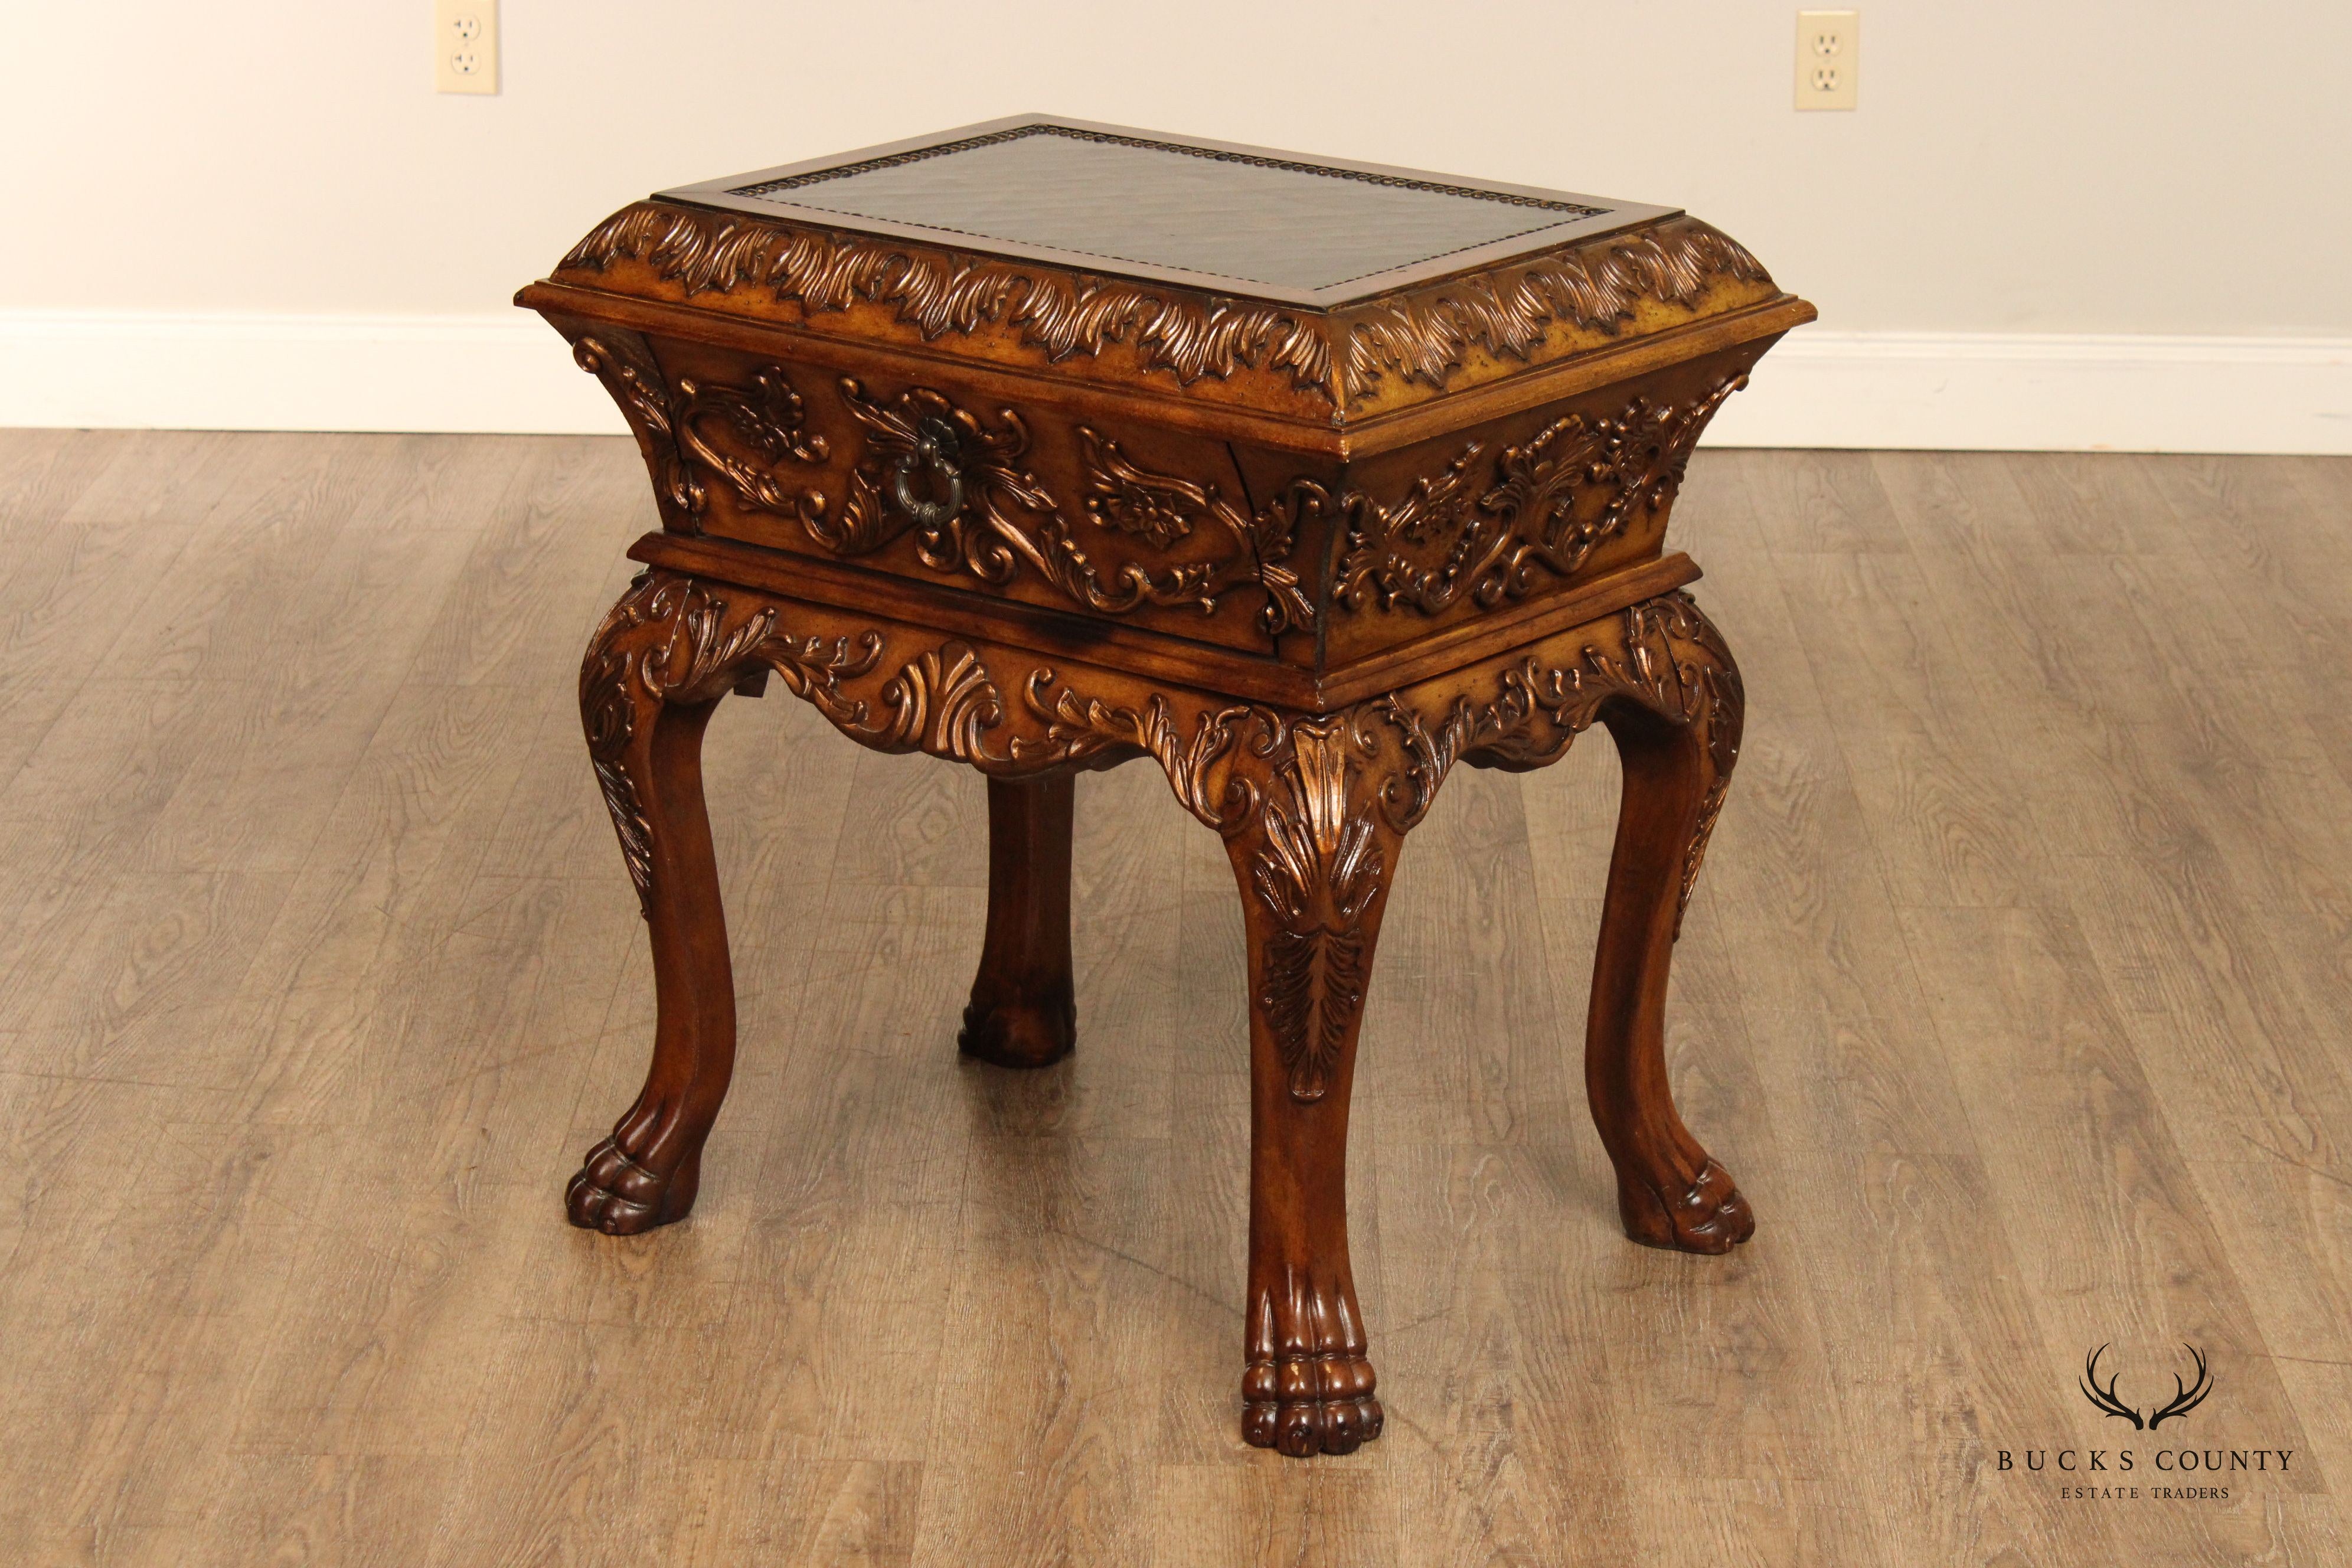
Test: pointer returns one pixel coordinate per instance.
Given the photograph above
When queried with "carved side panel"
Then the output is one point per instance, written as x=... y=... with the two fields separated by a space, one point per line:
x=1493 y=531
x=1518 y=509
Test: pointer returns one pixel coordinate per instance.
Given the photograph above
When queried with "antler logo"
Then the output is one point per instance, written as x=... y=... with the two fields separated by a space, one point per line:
x=2185 y=1398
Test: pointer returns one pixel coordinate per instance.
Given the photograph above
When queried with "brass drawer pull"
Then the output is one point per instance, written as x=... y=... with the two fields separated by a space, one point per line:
x=935 y=449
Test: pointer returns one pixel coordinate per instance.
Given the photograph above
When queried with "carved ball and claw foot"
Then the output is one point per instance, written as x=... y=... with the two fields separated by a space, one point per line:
x=1313 y=809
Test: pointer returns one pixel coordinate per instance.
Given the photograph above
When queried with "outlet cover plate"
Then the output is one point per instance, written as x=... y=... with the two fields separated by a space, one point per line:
x=1829 y=58
x=465 y=46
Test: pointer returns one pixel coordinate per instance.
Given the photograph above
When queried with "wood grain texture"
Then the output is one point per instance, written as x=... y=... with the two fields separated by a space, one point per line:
x=2013 y=988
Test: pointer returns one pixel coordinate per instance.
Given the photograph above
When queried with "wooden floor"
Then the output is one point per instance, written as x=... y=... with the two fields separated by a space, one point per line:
x=2015 y=995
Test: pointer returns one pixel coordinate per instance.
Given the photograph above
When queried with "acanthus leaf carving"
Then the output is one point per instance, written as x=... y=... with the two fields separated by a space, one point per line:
x=814 y=668
x=608 y=713
x=1548 y=503
x=672 y=639
x=630 y=822
x=1425 y=335
x=1317 y=868
x=937 y=292
x=1439 y=507
x=922 y=434
x=1724 y=700
x=941 y=702
x=1421 y=335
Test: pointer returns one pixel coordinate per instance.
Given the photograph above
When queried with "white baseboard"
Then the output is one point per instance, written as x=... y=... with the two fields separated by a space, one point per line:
x=104 y=370
x=2046 y=392
x=2011 y=390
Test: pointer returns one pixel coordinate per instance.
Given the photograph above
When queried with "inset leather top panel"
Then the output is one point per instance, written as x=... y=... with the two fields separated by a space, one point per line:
x=1239 y=220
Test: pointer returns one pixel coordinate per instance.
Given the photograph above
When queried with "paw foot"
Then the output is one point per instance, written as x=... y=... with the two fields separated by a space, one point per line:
x=1309 y=1405
x=1705 y=1215
x=1019 y=1032
x=615 y=1194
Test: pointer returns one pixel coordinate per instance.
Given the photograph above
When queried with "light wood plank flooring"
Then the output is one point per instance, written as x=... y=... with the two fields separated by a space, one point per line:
x=2014 y=994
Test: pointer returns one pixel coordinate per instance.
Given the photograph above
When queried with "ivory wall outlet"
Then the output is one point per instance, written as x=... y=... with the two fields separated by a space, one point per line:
x=1829 y=57
x=464 y=46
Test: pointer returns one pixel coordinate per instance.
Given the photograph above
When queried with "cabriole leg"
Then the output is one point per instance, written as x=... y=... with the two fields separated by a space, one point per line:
x=1677 y=764
x=1314 y=867
x=647 y=748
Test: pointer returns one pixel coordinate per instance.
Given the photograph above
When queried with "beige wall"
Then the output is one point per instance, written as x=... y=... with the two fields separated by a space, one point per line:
x=2049 y=225
x=2147 y=168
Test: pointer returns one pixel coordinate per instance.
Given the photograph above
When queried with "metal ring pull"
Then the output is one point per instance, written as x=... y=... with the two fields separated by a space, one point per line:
x=935 y=449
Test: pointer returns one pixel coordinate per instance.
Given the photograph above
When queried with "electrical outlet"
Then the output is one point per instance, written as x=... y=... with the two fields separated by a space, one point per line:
x=1829 y=58
x=464 y=46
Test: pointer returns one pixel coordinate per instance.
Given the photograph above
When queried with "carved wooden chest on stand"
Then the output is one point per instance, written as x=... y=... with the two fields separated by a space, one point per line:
x=1043 y=446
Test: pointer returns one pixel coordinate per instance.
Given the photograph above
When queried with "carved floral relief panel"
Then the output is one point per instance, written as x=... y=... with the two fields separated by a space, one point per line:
x=1048 y=507
x=1513 y=509
x=1161 y=530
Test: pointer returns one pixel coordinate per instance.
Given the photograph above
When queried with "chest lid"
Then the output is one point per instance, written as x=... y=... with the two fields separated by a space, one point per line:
x=1306 y=302
x=1239 y=220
